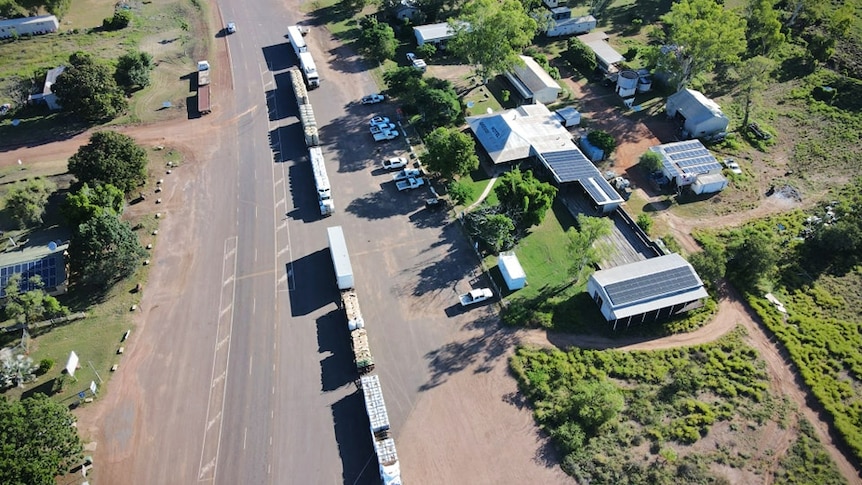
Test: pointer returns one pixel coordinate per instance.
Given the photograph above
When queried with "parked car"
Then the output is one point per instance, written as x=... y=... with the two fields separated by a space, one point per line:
x=420 y=65
x=411 y=57
x=407 y=173
x=434 y=203
x=733 y=166
x=379 y=128
x=385 y=135
x=379 y=120
x=395 y=163
x=475 y=296
x=372 y=99
x=231 y=28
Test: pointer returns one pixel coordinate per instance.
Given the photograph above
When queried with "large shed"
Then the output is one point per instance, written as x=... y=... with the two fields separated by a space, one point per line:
x=562 y=23
x=606 y=56
x=47 y=95
x=533 y=83
x=436 y=34
x=699 y=116
x=686 y=162
x=42 y=24
x=645 y=291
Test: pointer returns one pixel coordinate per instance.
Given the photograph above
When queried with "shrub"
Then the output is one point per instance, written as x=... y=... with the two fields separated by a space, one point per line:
x=45 y=365
x=645 y=222
x=120 y=20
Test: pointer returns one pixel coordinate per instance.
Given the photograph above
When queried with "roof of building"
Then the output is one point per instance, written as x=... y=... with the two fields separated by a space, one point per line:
x=32 y=260
x=513 y=267
x=434 y=32
x=27 y=20
x=568 y=113
x=649 y=285
x=51 y=78
x=689 y=157
x=597 y=41
x=694 y=105
x=534 y=77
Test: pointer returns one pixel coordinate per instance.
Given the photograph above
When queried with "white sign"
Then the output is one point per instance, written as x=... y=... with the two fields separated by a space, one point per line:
x=93 y=387
x=72 y=363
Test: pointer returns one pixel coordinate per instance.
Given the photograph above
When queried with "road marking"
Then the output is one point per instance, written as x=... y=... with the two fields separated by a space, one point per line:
x=250 y=359
x=211 y=442
x=244 y=437
x=254 y=275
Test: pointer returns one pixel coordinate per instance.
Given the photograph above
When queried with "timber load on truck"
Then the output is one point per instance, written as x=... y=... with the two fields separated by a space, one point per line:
x=204 y=87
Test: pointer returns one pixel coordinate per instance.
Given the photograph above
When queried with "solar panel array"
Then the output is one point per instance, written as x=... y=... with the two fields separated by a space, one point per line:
x=46 y=268
x=573 y=166
x=688 y=157
x=650 y=286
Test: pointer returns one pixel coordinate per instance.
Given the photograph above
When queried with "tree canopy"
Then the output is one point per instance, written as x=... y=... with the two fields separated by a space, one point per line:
x=104 y=250
x=26 y=201
x=705 y=34
x=377 y=40
x=87 y=89
x=37 y=441
x=491 y=33
x=584 y=251
x=111 y=158
x=435 y=100
x=89 y=202
x=603 y=141
x=524 y=198
x=133 y=70
x=580 y=56
x=33 y=305
x=450 y=152
x=651 y=161
x=494 y=230
x=763 y=26
x=710 y=264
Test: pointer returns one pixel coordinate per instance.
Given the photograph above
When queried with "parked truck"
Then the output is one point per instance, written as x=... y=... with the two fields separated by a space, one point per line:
x=294 y=35
x=309 y=69
x=321 y=182
x=204 y=87
x=410 y=184
x=378 y=418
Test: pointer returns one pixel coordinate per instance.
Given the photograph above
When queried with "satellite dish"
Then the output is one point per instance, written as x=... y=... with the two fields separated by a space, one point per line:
x=52 y=246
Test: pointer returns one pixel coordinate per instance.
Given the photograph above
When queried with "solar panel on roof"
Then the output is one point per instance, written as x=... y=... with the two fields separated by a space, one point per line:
x=44 y=268
x=652 y=285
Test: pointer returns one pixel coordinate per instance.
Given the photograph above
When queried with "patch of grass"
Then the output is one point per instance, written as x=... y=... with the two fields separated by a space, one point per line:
x=478 y=180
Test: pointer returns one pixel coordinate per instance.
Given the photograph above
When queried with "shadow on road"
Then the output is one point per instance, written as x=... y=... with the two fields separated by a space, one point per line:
x=280 y=57
x=359 y=463
x=310 y=288
x=337 y=369
x=383 y=204
x=427 y=217
x=286 y=143
x=447 y=271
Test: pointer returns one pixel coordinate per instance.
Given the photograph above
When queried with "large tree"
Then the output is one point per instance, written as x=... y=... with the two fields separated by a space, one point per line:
x=524 y=198
x=705 y=34
x=32 y=305
x=584 y=248
x=450 y=152
x=111 y=158
x=491 y=33
x=752 y=256
x=133 y=70
x=104 y=250
x=37 y=441
x=753 y=74
x=87 y=88
x=438 y=107
x=26 y=201
x=580 y=56
x=710 y=264
x=377 y=40
x=87 y=203
x=763 y=26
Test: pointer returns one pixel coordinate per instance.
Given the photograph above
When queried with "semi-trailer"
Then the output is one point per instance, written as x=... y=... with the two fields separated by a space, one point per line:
x=321 y=181
x=378 y=419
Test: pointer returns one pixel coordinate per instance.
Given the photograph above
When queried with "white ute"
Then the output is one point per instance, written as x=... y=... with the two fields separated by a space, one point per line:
x=385 y=135
x=409 y=184
x=475 y=296
x=407 y=173
x=395 y=163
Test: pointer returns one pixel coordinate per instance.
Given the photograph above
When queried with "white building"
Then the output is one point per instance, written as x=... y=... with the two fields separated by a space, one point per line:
x=645 y=291
x=43 y=24
x=699 y=116
x=606 y=56
x=533 y=83
x=690 y=163
x=436 y=34
x=47 y=96
x=562 y=23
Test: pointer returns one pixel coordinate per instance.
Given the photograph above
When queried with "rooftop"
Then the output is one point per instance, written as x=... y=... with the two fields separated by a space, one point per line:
x=689 y=157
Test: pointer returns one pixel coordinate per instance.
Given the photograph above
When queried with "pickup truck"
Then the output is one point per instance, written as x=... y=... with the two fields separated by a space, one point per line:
x=385 y=135
x=395 y=163
x=372 y=99
x=379 y=120
x=409 y=184
x=407 y=173
x=380 y=128
x=475 y=296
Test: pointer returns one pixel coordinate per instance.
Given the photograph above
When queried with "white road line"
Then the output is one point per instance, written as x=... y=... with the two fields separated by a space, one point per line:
x=253 y=305
x=250 y=358
x=244 y=437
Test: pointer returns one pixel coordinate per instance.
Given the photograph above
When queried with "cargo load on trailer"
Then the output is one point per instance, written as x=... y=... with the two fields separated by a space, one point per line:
x=378 y=418
x=321 y=181
x=204 y=106
x=358 y=336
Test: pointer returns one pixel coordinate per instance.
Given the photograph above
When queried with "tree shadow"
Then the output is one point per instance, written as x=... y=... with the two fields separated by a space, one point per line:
x=445 y=271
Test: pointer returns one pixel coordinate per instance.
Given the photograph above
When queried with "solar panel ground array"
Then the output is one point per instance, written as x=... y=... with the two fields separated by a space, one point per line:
x=650 y=286
x=45 y=268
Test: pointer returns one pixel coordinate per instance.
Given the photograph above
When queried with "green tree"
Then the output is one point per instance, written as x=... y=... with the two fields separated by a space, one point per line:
x=645 y=222
x=524 y=198
x=493 y=230
x=438 y=107
x=583 y=246
x=763 y=26
x=751 y=258
x=133 y=70
x=57 y=8
x=602 y=140
x=87 y=203
x=651 y=161
x=595 y=402
x=580 y=56
x=104 y=250
x=376 y=40
x=426 y=50
x=753 y=74
x=460 y=192
x=33 y=305
x=490 y=34
x=38 y=441
x=450 y=152
x=110 y=158
x=710 y=264
x=706 y=34
x=88 y=89
x=403 y=82
x=120 y=20
x=26 y=201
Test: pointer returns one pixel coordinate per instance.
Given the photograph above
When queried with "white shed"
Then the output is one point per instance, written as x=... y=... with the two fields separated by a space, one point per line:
x=533 y=83
x=563 y=23
x=708 y=183
x=436 y=34
x=42 y=24
x=512 y=272
x=569 y=116
x=700 y=116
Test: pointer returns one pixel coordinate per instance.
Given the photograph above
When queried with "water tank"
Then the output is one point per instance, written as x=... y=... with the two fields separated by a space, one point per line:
x=627 y=80
x=644 y=84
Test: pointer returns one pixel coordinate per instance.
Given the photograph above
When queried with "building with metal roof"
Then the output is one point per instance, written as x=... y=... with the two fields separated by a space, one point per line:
x=436 y=34
x=699 y=116
x=683 y=162
x=606 y=56
x=533 y=131
x=533 y=83
x=46 y=261
x=645 y=291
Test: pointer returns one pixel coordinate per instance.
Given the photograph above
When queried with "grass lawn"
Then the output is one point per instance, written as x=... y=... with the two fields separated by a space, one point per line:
x=477 y=180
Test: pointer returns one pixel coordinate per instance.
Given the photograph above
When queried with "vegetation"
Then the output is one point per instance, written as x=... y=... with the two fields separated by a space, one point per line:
x=26 y=201
x=599 y=406
x=133 y=70
x=32 y=305
x=434 y=100
x=110 y=158
x=650 y=161
x=87 y=89
x=377 y=40
x=524 y=198
x=450 y=153
x=38 y=441
x=603 y=141
x=584 y=246
x=580 y=56
x=103 y=251
x=460 y=192
x=87 y=203
x=494 y=231
x=120 y=20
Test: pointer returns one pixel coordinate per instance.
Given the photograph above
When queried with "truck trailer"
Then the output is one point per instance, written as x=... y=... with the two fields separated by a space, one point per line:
x=204 y=106
x=294 y=35
x=340 y=258
x=321 y=181
x=378 y=418
x=309 y=69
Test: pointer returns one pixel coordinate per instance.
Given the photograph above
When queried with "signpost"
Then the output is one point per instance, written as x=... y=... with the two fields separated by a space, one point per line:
x=72 y=363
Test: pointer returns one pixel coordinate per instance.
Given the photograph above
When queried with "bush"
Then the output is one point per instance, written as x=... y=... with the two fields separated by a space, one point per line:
x=426 y=50
x=645 y=222
x=120 y=20
x=460 y=192
x=45 y=365
x=505 y=95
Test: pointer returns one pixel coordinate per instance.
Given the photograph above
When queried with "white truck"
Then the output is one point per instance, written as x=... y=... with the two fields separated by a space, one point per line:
x=378 y=418
x=309 y=69
x=340 y=258
x=410 y=184
x=321 y=182
x=204 y=106
x=294 y=35
x=407 y=173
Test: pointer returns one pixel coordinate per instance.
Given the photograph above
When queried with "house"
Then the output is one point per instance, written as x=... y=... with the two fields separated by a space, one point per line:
x=408 y=9
x=697 y=115
x=43 y=24
x=47 y=261
x=533 y=132
x=562 y=23
x=47 y=95
x=646 y=291
x=533 y=83
x=606 y=56
x=436 y=34
x=686 y=162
